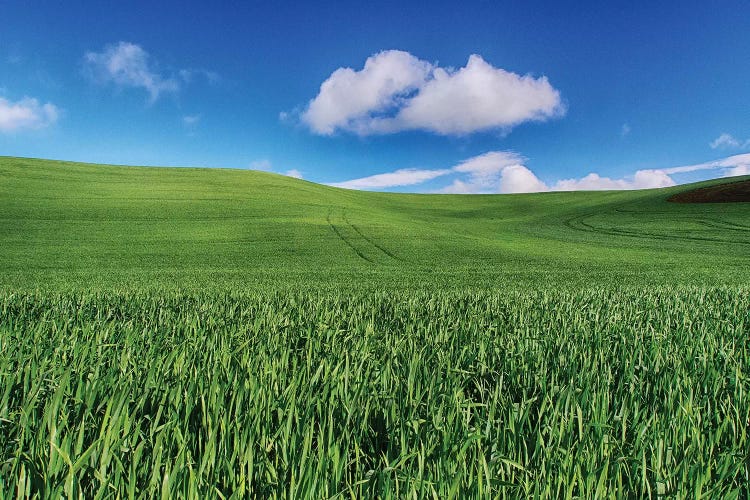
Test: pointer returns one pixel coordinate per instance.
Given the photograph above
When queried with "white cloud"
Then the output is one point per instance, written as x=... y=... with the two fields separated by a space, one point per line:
x=188 y=75
x=510 y=179
x=396 y=91
x=729 y=162
x=293 y=173
x=625 y=130
x=590 y=182
x=505 y=172
x=642 y=179
x=519 y=179
x=128 y=65
x=402 y=177
x=493 y=172
x=265 y=165
x=456 y=187
x=348 y=98
x=738 y=170
x=488 y=164
x=728 y=141
x=724 y=141
x=477 y=97
x=191 y=120
x=655 y=178
x=28 y=113
x=650 y=179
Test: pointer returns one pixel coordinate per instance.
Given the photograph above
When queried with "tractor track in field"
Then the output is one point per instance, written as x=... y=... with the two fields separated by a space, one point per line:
x=578 y=223
x=364 y=244
x=719 y=224
x=368 y=239
x=341 y=236
x=730 y=226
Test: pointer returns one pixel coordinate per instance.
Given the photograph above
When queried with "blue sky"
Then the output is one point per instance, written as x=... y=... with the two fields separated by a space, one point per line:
x=456 y=97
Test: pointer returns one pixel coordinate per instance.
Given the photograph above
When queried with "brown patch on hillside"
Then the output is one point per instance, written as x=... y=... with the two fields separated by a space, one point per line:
x=733 y=192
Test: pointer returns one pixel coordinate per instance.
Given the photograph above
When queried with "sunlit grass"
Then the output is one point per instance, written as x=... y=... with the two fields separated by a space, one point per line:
x=212 y=333
x=405 y=394
x=82 y=226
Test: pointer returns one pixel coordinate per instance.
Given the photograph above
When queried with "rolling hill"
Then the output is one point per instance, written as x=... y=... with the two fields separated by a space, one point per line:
x=64 y=224
x=204 y=333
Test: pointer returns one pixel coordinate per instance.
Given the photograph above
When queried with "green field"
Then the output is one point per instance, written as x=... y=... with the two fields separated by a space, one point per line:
x=213 y=333
x=64 y=225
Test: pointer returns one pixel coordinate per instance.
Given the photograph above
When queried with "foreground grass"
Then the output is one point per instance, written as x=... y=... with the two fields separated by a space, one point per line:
x=442 y=394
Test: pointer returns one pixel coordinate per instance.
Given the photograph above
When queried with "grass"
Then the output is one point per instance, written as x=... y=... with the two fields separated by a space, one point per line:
x=216 y=334
x=416 y=394
x=65 y=225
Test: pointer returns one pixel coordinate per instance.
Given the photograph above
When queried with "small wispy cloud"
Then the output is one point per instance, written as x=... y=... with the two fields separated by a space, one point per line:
x=625 y=130
x=126 y=64
x=190 y=124
x=27 y=113
x=728 y=141
x=736 y=163
x=191 y=120
x=14 y=58
x=265 y=165
x=189 y=75
x=397 y=178
x=729 y=162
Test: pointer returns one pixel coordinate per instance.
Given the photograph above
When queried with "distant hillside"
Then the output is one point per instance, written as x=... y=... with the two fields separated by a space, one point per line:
x=71 y=224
